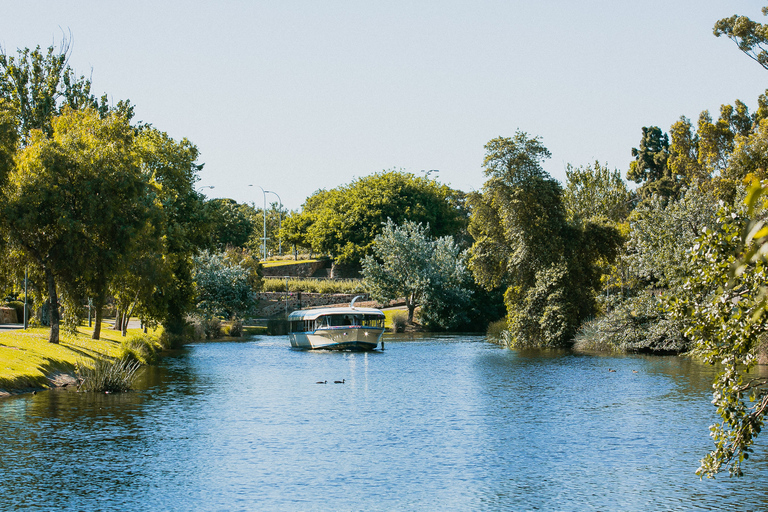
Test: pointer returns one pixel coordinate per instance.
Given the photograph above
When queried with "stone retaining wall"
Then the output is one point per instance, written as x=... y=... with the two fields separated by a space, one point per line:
x=8 y=316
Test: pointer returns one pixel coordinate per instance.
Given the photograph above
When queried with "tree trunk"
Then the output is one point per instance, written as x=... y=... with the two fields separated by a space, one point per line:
x=411 y=307
x=53 y=310
x=118 y=320
x=97 y=329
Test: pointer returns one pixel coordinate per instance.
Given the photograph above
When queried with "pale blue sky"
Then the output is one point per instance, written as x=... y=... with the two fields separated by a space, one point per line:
x=298 y=95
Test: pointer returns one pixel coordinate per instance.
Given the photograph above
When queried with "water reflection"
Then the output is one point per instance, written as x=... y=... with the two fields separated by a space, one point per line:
x=435 y=422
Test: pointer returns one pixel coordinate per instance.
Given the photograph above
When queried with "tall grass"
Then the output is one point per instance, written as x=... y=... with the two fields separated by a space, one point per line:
x=277 y=284
x=399 y=321
x=105 y=375
x=142 y=348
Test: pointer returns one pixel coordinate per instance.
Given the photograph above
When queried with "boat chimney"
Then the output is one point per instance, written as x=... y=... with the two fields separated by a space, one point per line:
x=352 y=304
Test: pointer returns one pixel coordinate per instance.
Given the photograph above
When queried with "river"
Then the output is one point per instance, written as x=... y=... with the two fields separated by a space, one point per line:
x=434 y=423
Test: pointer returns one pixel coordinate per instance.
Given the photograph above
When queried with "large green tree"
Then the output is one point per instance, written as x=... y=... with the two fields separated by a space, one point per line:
x=38 y=84
x=408 y=262
x=344 y=221
x=723 y=305
x=525 y=244
x=595 y=191
x=232 y=224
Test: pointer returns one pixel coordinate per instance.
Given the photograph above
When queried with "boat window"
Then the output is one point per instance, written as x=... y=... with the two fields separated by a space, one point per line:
x=373 y=321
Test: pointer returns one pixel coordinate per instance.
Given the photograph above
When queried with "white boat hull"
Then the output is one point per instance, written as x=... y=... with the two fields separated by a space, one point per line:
x=338 y=338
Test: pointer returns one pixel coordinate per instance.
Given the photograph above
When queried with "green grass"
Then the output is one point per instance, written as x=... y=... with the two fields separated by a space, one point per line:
x=27 y=359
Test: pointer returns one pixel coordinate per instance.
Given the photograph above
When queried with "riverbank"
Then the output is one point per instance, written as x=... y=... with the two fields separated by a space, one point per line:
x=29 y=363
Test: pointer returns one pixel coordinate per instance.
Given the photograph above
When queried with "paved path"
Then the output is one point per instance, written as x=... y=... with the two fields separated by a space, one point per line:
x=8 y=327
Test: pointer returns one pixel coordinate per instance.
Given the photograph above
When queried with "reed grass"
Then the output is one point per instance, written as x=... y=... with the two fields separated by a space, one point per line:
x=106 y=375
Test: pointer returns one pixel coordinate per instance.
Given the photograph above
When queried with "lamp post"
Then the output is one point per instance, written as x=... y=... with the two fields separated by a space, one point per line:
x=26 y=276
x=279 y=223
x=264 y=238
x=205 y=186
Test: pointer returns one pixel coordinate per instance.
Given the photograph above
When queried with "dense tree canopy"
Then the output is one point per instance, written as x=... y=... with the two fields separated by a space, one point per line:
x=344 y=221
x=407 y=262
x=524 y=243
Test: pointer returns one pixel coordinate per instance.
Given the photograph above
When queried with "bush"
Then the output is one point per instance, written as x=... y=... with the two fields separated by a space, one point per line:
x=496 y=330
x=399 y=321
x=212 y=328
x=636 y=324
x=141 y=348
x=236 y=328
x=105 y=375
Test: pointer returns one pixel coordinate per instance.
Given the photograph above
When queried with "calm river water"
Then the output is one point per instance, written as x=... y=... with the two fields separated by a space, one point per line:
x=437 y=423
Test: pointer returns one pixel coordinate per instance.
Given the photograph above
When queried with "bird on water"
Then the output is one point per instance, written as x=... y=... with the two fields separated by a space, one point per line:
x=322 y=382
x=342 y=381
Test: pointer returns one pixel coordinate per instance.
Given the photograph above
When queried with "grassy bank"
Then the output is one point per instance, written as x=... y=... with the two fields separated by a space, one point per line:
x=28 y=361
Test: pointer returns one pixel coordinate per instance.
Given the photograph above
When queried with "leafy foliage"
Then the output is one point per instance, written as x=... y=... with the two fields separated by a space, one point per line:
x=751 y=37
x=723 y=307
x=524 y=243
x=427 y=272
x=594 y=191
x=223 y=287
x=344 y=221
x=230 y=223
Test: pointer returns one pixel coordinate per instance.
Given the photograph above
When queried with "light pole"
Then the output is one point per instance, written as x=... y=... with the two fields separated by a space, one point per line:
x=26 y=276
x=279 y=223
x=264 y=238
x=205 y=186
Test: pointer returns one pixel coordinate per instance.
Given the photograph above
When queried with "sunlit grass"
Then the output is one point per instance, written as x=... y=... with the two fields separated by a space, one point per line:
x=26 y=357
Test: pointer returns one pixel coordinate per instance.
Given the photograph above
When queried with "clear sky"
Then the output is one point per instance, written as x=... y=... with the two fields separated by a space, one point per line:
x=294 y=95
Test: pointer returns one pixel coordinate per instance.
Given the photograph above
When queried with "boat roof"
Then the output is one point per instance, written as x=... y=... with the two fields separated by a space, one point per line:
x=311 y=314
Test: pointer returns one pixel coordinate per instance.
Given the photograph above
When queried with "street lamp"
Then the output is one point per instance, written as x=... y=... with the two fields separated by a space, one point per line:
x=205 y=186
x=279 y=223
x=264 y=238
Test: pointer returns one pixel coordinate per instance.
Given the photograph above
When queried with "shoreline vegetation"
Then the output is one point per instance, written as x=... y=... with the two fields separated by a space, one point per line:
x=31 y=363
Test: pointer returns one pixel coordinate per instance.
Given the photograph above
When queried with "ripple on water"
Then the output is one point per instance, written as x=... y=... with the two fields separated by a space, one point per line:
x=441 y=422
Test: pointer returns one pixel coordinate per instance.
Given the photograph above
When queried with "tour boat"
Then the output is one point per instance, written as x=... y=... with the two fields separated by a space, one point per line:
x=346 y=328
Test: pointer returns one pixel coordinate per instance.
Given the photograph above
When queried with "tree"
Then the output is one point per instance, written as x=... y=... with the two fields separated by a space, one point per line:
x=160 y=280
x=37 y=86
x=723 y=307
x=649 y=168
x=344 y=222
x=223 y=287
x=524 y=243
x=406 y=262
x=595 y=191
x=751 y=37
x=231 y=223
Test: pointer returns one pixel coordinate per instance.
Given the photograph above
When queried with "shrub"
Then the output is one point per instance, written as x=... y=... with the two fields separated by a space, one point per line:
x=104 y=375
x=211 y=328
x=141 y=348
x=496 y=329
x=236 y=328
x=399 y=321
